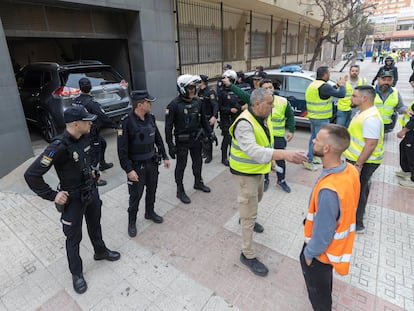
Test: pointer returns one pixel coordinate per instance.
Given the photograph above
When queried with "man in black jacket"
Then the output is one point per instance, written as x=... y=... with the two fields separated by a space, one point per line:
x=390 y=67
x=210 y=112
x=98 y=143
x=140 y=149
x=185 y=122
x=77 y=194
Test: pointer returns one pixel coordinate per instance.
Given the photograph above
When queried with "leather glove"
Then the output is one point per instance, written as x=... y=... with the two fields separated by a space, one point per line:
x=172 y=150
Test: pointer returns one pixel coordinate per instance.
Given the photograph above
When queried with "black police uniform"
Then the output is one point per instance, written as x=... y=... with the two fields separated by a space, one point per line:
x=245 y=87
x=227 y=100
x=98 y=143
x=189 y=127
x=210 y=108
x=136 y=151
x=70 y=157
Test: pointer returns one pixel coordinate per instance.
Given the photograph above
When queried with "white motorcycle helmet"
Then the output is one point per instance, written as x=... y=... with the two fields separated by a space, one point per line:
x=231 y=74
x=184 y=81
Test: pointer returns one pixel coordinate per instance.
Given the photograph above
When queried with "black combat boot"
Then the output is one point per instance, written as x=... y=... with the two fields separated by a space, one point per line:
x=224 y=159
x=182 y=195
x=199 y=185
x=132 y=228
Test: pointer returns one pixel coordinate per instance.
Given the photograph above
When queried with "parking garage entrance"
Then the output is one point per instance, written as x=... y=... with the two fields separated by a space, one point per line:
x=40 y=32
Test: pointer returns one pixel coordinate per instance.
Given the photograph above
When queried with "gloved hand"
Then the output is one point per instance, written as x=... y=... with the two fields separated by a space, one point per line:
x=213 y=137
x=172 y=150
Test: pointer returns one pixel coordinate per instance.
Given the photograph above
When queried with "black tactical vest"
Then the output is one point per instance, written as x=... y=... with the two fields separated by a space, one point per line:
x=141 y=141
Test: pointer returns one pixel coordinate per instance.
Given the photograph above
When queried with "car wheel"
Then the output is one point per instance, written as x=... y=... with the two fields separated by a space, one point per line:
x=47 y=126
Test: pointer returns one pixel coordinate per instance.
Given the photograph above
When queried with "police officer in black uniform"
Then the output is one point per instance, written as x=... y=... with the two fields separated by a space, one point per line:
x=184 y=116
x=77 y=194
x=210 y=109
x=229 y=108
x=241 y=82
x=140 y=150
x=98 y=143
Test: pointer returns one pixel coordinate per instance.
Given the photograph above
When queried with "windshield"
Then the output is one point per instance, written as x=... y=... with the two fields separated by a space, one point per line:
x=97 y=76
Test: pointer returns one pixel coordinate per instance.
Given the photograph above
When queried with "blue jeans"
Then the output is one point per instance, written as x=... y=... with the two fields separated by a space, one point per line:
x=343 y=117
x=316 y=125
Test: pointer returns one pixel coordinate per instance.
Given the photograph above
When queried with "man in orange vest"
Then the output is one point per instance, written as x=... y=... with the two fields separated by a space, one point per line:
x=330 y=222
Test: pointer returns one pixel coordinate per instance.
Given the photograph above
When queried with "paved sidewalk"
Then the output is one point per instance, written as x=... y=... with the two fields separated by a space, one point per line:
x=191 y=261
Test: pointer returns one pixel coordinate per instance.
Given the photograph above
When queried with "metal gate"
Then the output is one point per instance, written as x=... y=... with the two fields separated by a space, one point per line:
x=210 y=35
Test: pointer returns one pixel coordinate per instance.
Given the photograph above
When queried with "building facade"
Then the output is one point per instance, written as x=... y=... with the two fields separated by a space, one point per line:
x=149 y=42
x=393 y=26
x=385 y=7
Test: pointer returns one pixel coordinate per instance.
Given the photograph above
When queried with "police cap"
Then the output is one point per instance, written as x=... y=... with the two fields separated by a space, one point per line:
x=204 y=78
x=84 y=82
x=77 y=113
x=140 y=95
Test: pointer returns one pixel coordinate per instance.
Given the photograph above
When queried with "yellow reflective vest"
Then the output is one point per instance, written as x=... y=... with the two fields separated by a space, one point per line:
x=278 y=117
x=240 y=161
x=406 y=117
x=347 y=186
x=344 y=104
x=317 y=108
x=357 y=140
x=387 y=108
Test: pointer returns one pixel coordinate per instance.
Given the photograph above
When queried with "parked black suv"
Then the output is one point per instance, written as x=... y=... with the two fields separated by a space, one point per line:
x=47 y=89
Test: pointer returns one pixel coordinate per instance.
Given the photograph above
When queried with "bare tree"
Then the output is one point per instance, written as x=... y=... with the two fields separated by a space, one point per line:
x=358 y=28
x=334 y=13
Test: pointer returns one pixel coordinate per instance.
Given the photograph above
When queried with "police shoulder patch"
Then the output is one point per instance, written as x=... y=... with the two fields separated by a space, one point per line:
x=167 y=111
x=46 y=161
x=120 y=132
x=212 y=96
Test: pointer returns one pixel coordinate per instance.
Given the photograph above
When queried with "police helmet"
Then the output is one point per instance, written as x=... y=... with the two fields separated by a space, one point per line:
x=231 y=74
x=184 y=81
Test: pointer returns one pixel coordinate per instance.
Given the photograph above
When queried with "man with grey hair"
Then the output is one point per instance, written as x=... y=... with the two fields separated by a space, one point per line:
x=251 y=157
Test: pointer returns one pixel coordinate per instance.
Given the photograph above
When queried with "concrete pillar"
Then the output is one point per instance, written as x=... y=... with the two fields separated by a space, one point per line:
x=15 y=144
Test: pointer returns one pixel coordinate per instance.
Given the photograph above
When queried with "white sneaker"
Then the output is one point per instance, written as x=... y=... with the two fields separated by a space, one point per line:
x=406 y=183
x=403 y=174
x=310 y=166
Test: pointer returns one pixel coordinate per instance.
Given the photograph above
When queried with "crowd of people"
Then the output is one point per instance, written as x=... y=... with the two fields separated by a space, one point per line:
x=256 y=125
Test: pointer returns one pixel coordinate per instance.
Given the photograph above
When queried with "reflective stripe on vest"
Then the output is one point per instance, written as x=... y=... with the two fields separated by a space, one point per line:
x=344 y=104
x=278 y=116
x=406 y=117
x=386 y=108
x=404 y=120
x=357 y=140
x=240 y=161
x=347 y=187
x=317 y=108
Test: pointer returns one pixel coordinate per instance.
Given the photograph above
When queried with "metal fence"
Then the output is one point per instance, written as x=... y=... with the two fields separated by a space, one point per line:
x=210 y=35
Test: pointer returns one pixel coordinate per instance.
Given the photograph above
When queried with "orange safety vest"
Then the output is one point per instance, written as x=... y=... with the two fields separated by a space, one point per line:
x=347 y=186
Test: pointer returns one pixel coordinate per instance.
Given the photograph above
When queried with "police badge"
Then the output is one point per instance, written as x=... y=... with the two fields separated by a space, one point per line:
x=75 y=156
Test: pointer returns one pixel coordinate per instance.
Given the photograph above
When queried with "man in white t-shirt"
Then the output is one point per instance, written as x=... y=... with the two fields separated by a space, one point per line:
x=366 y=150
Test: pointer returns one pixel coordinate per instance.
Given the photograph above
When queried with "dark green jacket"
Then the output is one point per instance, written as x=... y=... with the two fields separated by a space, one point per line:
x=245 y=96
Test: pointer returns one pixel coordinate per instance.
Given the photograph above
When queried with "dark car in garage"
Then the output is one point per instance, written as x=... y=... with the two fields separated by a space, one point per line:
x=291 y=82
x=47 y=89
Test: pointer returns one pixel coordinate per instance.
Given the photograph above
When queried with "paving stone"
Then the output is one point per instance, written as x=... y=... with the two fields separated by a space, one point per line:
x=191 y=261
